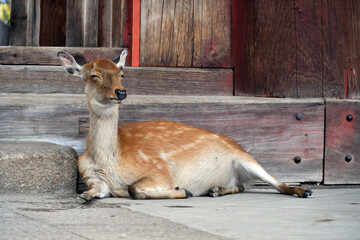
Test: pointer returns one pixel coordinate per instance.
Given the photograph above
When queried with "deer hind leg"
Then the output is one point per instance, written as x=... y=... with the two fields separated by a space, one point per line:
x=148 y=188
x=219 y=191
x=97 y=189
x=121 y=192
x=256 y=171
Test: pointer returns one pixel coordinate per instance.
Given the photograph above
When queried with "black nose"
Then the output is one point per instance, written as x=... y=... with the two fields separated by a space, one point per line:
x=120 y=94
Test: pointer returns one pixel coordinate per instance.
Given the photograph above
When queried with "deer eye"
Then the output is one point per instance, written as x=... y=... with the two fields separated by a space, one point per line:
x=122 y=75
x=94 y=76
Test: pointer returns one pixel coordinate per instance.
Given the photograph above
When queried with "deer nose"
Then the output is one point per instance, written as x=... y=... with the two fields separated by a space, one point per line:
x=120 y=94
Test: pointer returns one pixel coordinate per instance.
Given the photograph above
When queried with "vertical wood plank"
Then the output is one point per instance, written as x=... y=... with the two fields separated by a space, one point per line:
x=243 y=38
x=150 y=31
x=275 y=49
x=91 y=23
x=166 y=51
x=212 y=31
x=192 y=33
x=126 y=22
x=353 y=62
x=118 y=18
x=53 y=23
x=105 y=23
x=308 y=48
x=337 y=45
x=33 y=23
x=18 y=31
x=342 y=139
x=182 y=42
x=75 y=23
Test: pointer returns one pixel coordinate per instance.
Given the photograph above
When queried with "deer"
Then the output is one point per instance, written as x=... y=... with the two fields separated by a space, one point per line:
x=155 y=159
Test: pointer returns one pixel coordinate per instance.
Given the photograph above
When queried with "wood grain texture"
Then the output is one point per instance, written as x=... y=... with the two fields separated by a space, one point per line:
x=157 y=81
x=309 y=78
x=340 y=57
x=185 y=33
x=266 y=128
x=18 y=31
x=342 y=138
x=47 y=55
x=91 y=8
x=352 y=80
x=33 y=23
x=275 y=49
x=53 y=23
x=243 y=38
x=75 y=23
x=105 y=23
x=212 y=31
x=120 y=23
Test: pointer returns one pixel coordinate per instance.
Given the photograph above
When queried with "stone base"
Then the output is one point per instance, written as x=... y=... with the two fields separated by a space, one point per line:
x=37 y=167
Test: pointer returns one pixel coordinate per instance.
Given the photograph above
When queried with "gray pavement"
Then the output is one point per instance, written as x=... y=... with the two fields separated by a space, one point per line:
x=258 y=214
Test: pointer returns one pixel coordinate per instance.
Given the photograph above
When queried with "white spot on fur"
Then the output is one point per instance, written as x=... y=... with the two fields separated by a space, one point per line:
x=143 y=156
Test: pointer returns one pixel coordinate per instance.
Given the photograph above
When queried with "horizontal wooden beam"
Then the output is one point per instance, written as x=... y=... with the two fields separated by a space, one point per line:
x=140 y=80
x=268 y=129
x=47 y=55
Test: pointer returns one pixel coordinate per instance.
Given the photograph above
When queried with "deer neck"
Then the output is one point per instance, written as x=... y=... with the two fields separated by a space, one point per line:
x=103 y=138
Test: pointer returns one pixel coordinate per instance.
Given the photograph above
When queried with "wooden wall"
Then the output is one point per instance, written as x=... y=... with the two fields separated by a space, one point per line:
x=296 y=48
x=72 y=23
x=277 y=48
x=185 y=33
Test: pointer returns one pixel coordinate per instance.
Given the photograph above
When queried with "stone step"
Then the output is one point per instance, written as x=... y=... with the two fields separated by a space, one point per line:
x=137 y=80
x=37 y=167
x=267 y=128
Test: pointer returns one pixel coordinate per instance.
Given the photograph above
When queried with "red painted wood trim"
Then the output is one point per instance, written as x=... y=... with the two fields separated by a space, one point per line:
x=135 y=30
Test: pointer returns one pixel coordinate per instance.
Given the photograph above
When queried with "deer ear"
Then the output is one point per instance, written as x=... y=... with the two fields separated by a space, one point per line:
x=69 y=63
x=120 y=60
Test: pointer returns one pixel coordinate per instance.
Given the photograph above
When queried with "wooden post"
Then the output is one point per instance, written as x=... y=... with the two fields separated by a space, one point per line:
x=135 y=33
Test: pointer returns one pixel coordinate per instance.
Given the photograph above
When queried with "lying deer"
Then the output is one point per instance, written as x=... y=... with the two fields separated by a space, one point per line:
x=155 y=159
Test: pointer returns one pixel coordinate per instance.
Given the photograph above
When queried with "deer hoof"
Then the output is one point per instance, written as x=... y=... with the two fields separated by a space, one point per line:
x=188 y=193
x=84 y=198
x=215 y=191
x=306 y=194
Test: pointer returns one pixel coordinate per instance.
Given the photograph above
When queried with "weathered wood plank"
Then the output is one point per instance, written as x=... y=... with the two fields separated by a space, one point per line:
x=120 y=23
x=342 y=139
x=47 y=55
x=150 y=32
x=212 y=31
x=156 y=81
x=91 y=9
x=53 y=23
x=337 y=45
x=353 y=61
x=275 y=49
x=75 y=23
x=33 y=23
x=267 y=128
x=18 y=31
x=185 y=33
x=105 y=23
x=243 y=38
x=309 y=81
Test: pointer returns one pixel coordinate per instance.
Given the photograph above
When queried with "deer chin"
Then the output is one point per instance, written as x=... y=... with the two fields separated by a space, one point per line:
x=115 y=100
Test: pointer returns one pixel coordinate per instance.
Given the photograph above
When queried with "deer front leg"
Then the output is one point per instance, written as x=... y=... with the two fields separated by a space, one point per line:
x=97 y=188
x=148 y=188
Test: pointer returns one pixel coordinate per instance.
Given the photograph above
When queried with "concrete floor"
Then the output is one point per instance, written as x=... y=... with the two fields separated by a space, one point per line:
x=259 y=214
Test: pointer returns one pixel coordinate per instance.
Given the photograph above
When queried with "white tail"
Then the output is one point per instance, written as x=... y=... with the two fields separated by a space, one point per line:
x=157 y=159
